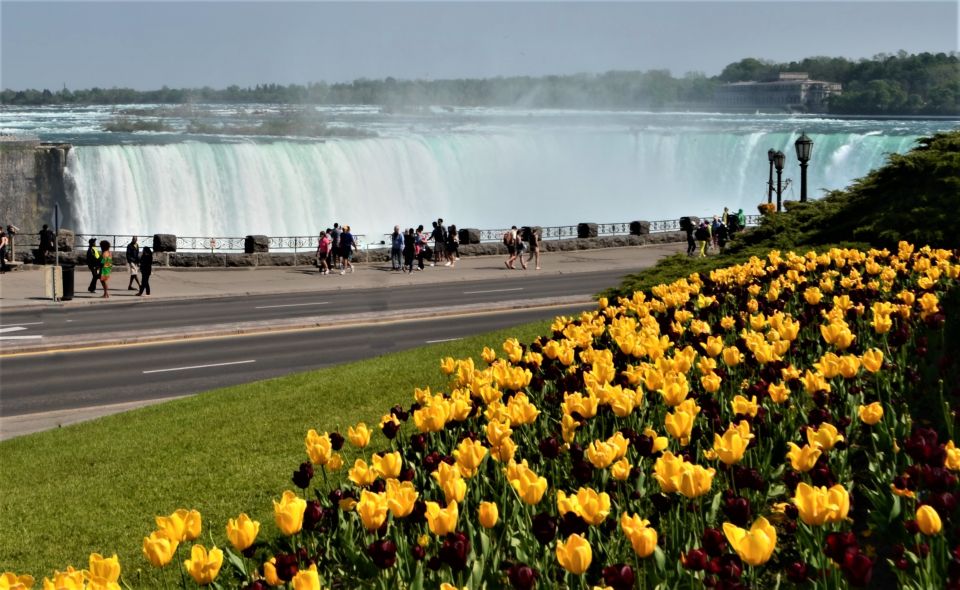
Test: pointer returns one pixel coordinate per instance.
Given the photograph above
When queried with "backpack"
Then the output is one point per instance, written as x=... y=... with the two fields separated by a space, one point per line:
x=506 y=239
x=702 y=233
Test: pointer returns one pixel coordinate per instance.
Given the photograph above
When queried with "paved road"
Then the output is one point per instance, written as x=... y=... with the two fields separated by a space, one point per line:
x=89 y=321
x=57 y=382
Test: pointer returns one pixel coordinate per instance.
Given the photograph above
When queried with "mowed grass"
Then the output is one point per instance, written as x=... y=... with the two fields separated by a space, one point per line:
x=96 y=487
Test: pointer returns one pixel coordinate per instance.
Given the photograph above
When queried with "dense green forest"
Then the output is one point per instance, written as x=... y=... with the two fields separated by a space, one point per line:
x=901 y=84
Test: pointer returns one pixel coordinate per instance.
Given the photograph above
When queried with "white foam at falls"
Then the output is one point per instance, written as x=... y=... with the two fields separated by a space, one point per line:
x=470 y=179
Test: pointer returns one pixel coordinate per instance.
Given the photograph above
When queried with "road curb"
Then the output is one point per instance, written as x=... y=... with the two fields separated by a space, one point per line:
x=69 y=343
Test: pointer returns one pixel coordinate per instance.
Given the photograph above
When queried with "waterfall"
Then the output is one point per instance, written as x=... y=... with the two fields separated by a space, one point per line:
x=485 y=180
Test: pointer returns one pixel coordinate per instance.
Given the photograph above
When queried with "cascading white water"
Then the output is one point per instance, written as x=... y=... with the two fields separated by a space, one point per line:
x=485 y=180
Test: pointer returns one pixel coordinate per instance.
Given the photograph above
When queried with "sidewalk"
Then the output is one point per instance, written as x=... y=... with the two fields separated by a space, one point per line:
x=24 y=289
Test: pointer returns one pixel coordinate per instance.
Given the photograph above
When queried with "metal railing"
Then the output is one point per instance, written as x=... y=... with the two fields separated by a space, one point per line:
x=297 y=244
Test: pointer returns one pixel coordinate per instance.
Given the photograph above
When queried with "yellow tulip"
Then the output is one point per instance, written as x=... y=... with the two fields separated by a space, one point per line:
x=335 y=462
x=733 y=444
x=361 y=473
x=601 y=454
x=928 y=520
x=744 y=406
x=667 y=471
x=71 y=579
x=451 y=482
x=319 y=448
x=14 y=582
x=270 y=573
x=814 y=382
x=754 y=546
x=401 y=497
x=803 y=458
x=679 y=425
x=711 y=382
x=575 y=554
x=372 y=509
x=307 y=579
x=695 y=481
x=713 y=346
x=638 y=532
x=825 y=436
x=812 y=295
x=620 y=470
x=488 y=514
x=872 y=360
x=514 y=351
x=388 y=465
x=529 y=486
x=182 y=525
x=675 y=389
x=447 y=365
x=732 y=356
x=469 y=454
x=953 y=457
x=288 y=513
x=242 y=531
x=592 y=507
x=779 y=392
x=104 y=569
x=870 y=414
x=159 y=549
x=488 y=355
x=203 y=567
x=442 y=520
x=359 y=436
x=432 y=418
x=818 y=505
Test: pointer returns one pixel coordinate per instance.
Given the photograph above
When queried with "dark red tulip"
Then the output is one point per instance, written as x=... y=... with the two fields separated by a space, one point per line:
x=619 y=576
x=313 y=514
x=695 y=560
x=522 y=576
x=336 y=441
x=857 y=568
x=455 y=550
x=714 y=542
x=286 y=566
x=383 y=553
x=544 y=528
x=798 y=572
x=303 y=475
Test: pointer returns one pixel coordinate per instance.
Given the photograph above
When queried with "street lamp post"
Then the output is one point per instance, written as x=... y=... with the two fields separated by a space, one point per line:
x=778 y=160
x=770 y=154
x=804 y=147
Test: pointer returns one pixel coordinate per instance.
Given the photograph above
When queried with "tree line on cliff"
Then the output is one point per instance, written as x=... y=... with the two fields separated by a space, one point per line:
x=901 y=84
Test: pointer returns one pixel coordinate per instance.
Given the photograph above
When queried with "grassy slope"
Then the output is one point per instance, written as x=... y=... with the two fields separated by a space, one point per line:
x=97 y=486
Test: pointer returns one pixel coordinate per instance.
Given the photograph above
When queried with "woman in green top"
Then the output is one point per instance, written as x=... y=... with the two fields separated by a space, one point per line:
x=106 y=265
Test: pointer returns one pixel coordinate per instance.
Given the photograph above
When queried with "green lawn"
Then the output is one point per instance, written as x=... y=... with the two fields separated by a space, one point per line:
x=97 y=486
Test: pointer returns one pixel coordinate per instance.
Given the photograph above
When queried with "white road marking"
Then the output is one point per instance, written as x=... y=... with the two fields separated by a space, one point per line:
x=23 y=324
x=443 y=340
x=16 y=329
x=199 y=367
x=493 y=291
x=292 y=305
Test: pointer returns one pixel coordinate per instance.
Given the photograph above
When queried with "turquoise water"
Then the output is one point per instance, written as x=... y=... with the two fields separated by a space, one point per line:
x=483 y=168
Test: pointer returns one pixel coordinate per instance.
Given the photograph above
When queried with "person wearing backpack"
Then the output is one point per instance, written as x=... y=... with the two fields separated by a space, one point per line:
x=133 y=263
x=703 y=237
x=93 y=263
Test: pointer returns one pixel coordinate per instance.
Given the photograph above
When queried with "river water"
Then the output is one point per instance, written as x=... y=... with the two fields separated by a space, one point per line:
x=475 y=167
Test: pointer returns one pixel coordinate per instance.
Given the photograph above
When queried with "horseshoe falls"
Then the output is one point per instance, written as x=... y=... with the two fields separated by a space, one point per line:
x=480 y=168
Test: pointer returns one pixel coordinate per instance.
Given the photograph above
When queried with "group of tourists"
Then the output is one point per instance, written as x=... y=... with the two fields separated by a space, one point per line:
x=335 y=249
x=516 y=241
x=712 y=234
x=100 y=263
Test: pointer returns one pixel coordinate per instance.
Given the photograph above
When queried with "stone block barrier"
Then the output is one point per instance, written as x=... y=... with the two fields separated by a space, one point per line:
x=469 y=235
x=639 y=228
x=256 y=244
x=164 y=243
x=587 y=230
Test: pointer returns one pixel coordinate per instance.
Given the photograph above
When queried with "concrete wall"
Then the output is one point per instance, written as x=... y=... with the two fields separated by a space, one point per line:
x=31 y=183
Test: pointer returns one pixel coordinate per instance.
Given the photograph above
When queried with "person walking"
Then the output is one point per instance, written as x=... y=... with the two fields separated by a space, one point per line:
x=93 y=263
x=396 y=248
x=335 y=245
x=347 y=246
x=420 y=238
x=106 y=266
x=133 y=263
x=4 y=240
x=439 y=236
x=323 y=252
x=453 y=246
x=146 y=269
x=409 y=251
x=703 y=237
x=533 y=238
x=689 y=229
x=46 y=244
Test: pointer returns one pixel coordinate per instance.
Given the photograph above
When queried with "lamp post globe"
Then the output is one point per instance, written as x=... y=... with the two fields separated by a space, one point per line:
x=804 y=147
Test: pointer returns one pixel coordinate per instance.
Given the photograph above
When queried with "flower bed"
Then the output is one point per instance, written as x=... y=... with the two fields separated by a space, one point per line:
x=784 y=421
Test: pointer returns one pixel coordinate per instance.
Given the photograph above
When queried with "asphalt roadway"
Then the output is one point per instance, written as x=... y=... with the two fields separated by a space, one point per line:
x=65 y=363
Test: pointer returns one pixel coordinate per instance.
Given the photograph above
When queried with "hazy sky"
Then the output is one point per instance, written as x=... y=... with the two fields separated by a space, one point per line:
x=146 y=45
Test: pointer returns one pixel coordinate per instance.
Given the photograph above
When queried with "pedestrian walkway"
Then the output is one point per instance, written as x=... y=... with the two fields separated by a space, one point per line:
x=25 y=289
